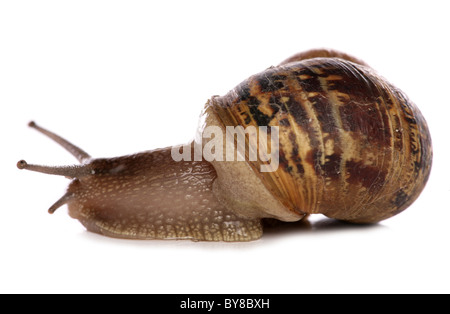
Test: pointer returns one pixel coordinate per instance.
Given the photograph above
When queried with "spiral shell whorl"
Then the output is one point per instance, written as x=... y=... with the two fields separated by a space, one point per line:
x=352 y=146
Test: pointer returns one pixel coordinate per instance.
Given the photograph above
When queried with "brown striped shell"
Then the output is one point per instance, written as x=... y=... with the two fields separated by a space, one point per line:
x=352 y=146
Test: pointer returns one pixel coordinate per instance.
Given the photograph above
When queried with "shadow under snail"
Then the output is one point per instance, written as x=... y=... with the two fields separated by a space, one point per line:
x=350 y=146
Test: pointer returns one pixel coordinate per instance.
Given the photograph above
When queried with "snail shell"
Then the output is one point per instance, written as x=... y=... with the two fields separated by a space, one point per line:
x=352 y=146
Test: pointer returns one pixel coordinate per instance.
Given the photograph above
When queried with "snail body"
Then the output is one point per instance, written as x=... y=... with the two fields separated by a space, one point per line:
x=350 y=146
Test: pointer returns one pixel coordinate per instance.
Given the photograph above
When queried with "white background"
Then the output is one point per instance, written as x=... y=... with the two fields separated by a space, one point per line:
x=118 y=77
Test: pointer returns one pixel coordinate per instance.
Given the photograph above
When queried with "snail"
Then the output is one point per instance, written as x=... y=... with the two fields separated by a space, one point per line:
x=347 y=143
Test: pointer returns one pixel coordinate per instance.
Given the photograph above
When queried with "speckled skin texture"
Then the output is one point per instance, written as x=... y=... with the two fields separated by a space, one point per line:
x=150 y=196
x=352 y=146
